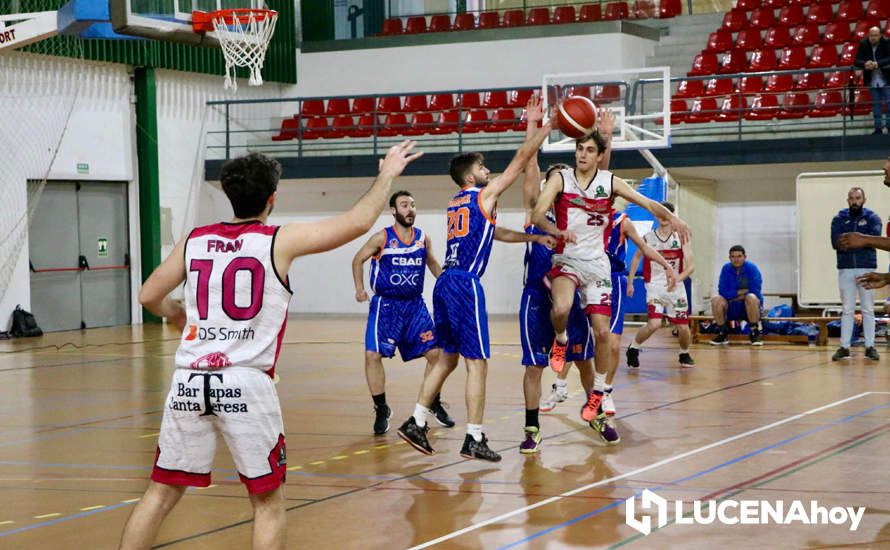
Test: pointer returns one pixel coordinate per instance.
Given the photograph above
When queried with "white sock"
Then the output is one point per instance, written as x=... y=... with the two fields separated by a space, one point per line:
x=563 y=337
x=420 y=414
x=560 y=383
x=684 y=350
x=475 y=430
x=634 y=345
x=599 y=381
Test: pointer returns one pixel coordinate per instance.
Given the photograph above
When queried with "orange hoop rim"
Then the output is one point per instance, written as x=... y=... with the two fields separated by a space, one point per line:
x=202 y=21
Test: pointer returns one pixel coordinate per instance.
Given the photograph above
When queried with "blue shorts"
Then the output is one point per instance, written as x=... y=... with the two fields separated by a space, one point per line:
x=402 y=324
x=536 y=331
x=736 y=311
x=460 y=315
x=619 y=299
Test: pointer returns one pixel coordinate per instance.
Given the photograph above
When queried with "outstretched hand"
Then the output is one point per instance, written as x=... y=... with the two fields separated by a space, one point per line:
x=851 y=240
x=534 y=111
x=398 y=157
x=873 y=280
x=605 y=122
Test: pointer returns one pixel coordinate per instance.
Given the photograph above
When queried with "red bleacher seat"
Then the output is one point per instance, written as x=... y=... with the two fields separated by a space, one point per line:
x=441 y=102
x=513 y=18
x=802 y=3
x=315 y=128
x=777 y=37
x=476 y=121
x=762 y=18
x=703 y=110
x=848 y=54
x=703 y=64
x=791 y=16
x=342 y=126
x=469 y=100
x=607 y=93
x=719 y=86
x=590 y=12
x=828 y=103
x=421 y=123
x=749 y=5
x=837 y=32
x=878 y=9
x=496 y=99
x=538 y=16
x=719 y=41
x=679 y=111
x=312 y=107
x=464 y=22
x=749 y=39
x=644 y=9
x=447 y=123
x=440 y=23
x=733 y=21
x=820 y=13
x=762 y=60
x=564 y=14
x=416 y=25
x=521 y=124
x=861 y=102
x=763 y=107
x=794 y=105
x=823 y=56
x=337 y=106
x=838 y=79
x=290 y=128
x=616 y=11
x=395 y=124
x=793 y=57
x=751 y=84
x=519 y=98
x=732 y=108
x=779 y=83
x=733 y=61
x=391 y=27
x=489 y=20
x=415 y=103
x=501 y=121
x=389 y=104
x=362 y=105
x=773 y=4
x=364 y=128
x=805 y=35
x=583 y=91
x=690 y=89
x=860 y=30
x=886 y=30
x=670 y=8
x=849 y=10
x=810 y=81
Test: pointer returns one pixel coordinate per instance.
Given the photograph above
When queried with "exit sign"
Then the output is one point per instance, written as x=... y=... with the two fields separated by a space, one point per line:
x=83 y=168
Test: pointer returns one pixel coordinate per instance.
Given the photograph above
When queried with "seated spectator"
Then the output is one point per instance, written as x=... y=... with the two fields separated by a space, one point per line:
x=739 y=296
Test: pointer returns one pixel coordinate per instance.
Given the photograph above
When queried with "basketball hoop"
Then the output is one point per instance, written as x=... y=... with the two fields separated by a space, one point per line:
x=243 y=35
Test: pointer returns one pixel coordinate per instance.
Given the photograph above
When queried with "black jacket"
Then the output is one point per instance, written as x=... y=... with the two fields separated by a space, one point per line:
x=883 y=58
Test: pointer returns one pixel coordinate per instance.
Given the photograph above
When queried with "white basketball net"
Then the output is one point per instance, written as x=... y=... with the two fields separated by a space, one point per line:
x=244 y=38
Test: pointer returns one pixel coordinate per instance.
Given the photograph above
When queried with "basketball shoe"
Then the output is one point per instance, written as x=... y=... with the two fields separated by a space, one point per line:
x=478 y=449
x=558 y=395
x=558 y=355
x=532 y=441
x=592 y=408
x=606 y=431
x=415 y=436
x=382 y=414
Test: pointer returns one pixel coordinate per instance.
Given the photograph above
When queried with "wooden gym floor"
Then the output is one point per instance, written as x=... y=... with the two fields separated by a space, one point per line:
x=81 y=412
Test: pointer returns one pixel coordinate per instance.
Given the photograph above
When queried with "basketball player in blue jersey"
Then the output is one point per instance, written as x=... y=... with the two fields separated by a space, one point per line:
x=398 y=317
x=458 y=298
x=236 y=281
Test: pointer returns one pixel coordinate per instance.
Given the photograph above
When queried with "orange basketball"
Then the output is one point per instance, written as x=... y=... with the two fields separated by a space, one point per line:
x=576 y=117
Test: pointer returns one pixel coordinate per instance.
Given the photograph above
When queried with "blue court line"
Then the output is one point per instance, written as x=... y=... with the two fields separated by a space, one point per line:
x=700 y=473
x=65 y=518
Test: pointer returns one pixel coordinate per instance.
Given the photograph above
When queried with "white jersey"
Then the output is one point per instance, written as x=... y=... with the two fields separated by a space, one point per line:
x=587 y=212
x=234 y=300
x=670 y=249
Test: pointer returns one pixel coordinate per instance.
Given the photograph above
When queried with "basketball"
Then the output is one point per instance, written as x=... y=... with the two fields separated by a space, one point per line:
x=576 y=117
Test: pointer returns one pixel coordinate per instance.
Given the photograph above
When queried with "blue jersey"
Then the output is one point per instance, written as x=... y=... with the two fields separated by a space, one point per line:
x=397 y=270
x=470 y=233
x=617 y=249
x=538 y=260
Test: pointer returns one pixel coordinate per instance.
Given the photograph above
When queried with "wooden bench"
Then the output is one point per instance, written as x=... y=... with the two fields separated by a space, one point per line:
x=821 y=340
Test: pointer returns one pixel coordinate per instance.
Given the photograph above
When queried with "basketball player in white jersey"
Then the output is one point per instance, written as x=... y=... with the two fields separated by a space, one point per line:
x=236 y=296
x=659 y=296
x=582 y=200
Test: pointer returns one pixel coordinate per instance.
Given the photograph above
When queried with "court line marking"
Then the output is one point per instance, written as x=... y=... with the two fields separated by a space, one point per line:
x=660 y=463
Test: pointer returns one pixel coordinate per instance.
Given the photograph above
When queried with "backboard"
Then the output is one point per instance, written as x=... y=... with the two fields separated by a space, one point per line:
x=169 y=20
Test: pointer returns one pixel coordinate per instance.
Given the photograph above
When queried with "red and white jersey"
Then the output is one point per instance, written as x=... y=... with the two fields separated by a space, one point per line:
x=235 y=302
x=672 y=251
x=587 y=212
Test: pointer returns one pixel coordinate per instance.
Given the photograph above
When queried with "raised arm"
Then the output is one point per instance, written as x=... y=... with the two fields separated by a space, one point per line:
x=432 y=263
x=662 y=214
x=498 y=185
x=531 y=185
x=605 y=124
x=155 y=290
x=370 y=248
x=627 y=227
x=300 y=239
x=509 y=236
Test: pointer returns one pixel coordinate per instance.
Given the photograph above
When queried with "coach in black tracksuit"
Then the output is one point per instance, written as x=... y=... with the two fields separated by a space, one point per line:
x=873 y=57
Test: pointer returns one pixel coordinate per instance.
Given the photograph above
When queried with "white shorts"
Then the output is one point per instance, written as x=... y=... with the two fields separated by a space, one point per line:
x=242 y=405
x=675 y=304
x=593 y=279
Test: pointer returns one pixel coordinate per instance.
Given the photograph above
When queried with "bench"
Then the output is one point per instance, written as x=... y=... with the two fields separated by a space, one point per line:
x=821 y=340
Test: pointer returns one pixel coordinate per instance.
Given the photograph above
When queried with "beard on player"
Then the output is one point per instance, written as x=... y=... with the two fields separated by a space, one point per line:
x=405 y=221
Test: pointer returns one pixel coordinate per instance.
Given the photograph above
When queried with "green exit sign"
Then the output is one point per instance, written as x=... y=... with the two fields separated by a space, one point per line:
x=83 y=168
